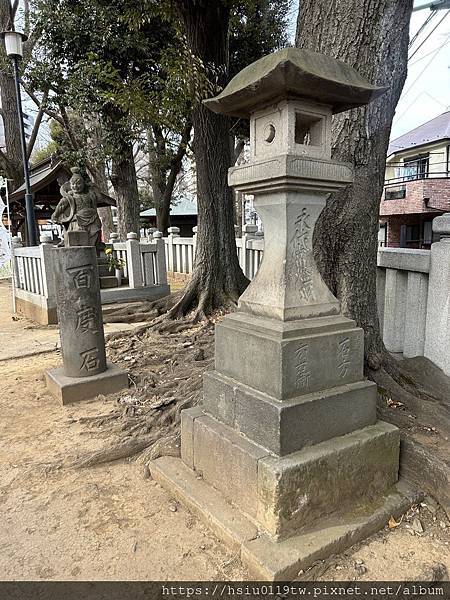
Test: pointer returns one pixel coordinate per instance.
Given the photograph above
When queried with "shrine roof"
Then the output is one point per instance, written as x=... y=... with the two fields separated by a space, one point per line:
x=297 y=74
x=49 y=172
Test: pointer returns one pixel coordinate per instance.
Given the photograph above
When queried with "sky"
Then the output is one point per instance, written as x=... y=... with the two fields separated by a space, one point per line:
x=426 y=93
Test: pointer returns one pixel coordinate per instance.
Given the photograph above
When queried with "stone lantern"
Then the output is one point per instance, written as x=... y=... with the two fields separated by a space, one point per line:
x=286 y=458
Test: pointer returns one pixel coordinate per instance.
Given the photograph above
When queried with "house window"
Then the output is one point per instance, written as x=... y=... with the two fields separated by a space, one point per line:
x=395 y=194
x=413 y=233
x=427 y=232
x=382 y=235
x=416 y=168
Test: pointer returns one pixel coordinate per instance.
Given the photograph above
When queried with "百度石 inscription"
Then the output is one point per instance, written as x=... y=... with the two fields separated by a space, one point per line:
x=82 y=276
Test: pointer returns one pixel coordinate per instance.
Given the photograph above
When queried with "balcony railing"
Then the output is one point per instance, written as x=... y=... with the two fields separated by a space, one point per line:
x=407 y=178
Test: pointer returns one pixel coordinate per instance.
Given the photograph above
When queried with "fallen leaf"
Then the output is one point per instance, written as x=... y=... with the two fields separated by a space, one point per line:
x=392 y=524
x=417 y=526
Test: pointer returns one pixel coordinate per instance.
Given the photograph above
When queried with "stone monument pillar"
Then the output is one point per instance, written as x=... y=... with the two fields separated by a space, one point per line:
x=437 y=335
x=286 y=459
x=85 y=373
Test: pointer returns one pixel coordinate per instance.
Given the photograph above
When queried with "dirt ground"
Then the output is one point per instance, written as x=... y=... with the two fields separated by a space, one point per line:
x=20 y=337
x=106 y=522
x=109 y=522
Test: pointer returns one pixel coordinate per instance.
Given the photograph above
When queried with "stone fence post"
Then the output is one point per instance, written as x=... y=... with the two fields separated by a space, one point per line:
x=134 y=261
x=194 y=241
x=248 y=233
x=437 y=337
x=15 y=243
x=47 y=250
x=150 y=232
x=113 y=237
x=173 y=232
x=161 y=268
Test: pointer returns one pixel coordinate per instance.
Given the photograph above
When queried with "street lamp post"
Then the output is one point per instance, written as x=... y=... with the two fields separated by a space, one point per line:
x=14 y=49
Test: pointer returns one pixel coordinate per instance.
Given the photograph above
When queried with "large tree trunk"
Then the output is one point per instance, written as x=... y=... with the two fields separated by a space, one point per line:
x=11 y=160
x=14 y=164
x=164 y=167
x=124 y=180
x=372 y=36
x=217 y=278
x=97 y=169
x=158 y=177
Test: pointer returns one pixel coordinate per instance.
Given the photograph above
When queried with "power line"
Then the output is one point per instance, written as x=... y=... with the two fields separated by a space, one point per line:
x=428 y=36
x=423 y=71
x=397 y=119
x=428 y=53
x=422 y=27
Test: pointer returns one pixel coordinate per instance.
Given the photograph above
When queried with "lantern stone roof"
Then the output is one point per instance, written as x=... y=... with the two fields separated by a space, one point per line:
x=296 y=74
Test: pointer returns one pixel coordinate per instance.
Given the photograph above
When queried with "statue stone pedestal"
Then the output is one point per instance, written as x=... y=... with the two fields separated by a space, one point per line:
x=85 y=373
x=286 y=459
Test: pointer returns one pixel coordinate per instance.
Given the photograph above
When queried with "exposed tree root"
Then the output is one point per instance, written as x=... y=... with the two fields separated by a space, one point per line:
x=201 y=297
x=139 y=312
x=123 y=449
x=409 y=388
x=414 y=395
x=167 y=369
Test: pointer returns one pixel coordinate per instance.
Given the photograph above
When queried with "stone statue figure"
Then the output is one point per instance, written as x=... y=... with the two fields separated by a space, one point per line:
x=77 y=209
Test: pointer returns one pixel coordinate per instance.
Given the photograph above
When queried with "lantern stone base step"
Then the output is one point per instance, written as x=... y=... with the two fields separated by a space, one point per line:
x=75 y=389
x=263 y=556
x=285 y=494
x=287 y=426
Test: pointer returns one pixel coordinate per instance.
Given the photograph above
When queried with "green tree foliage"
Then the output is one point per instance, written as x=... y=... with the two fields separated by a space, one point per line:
x=128 y=65
x=97 y=61
x=56 y=145
x=257 y=28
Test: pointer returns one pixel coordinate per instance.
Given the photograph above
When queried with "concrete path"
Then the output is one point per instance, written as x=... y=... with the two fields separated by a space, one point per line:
x=20 y=337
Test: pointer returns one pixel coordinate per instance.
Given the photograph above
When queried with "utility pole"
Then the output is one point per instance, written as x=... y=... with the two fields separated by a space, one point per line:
x=436 y=5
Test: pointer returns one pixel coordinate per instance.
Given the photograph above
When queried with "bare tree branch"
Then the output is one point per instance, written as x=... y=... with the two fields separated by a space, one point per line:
x=12 y=14
x=37 y=124
x=240 y=145
x=68 y=128
x=26 y=6
x=51 y=113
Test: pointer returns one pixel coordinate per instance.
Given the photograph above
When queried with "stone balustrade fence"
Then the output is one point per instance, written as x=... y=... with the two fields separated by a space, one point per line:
x=144 y=274
x=180 y=251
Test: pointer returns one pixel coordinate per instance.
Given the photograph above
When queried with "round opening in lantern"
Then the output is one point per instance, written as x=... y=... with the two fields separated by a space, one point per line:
x=269 y=133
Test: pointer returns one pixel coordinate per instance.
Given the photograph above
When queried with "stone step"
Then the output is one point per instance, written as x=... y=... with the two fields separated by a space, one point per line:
x=108 y=282
x=103 y=271
x=284 y=494
x=264 y=557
